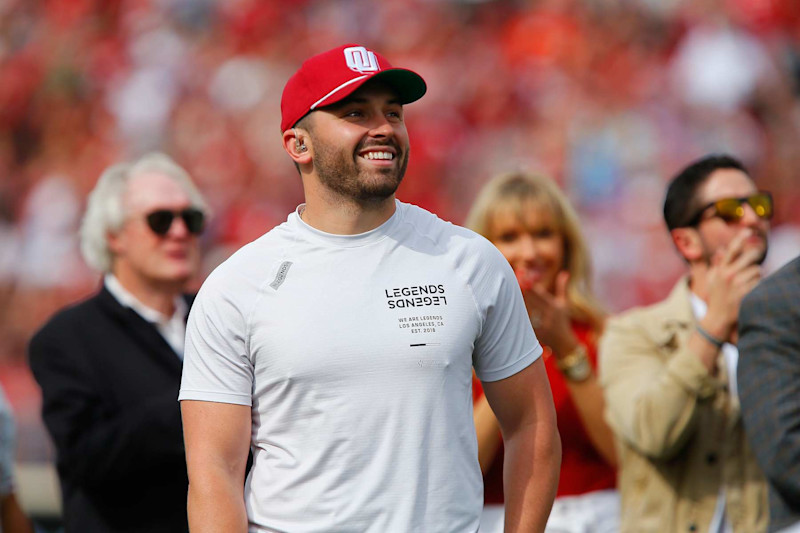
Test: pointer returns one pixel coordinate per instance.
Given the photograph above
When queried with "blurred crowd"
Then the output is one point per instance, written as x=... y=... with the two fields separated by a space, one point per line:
x=609 y=97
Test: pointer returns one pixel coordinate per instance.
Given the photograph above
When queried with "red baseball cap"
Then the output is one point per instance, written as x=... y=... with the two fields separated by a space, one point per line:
x=331 y=76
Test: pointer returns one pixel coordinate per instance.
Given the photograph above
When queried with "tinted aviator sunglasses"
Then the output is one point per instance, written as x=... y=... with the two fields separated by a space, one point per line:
x=161 y=220
x=732 y=209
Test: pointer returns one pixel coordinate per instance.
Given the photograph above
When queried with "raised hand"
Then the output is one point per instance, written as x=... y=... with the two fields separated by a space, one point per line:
x=549 y=314
x=734 y=271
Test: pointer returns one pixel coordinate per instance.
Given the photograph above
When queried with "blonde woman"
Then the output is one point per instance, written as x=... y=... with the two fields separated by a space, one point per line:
x=532 y=223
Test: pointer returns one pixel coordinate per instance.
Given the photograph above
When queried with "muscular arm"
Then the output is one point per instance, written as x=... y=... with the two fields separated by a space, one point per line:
x=488 y=432
x=217 y=439
x=523 y=404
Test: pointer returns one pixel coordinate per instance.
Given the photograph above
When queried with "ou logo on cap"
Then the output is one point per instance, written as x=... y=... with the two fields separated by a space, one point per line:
x=360 y=59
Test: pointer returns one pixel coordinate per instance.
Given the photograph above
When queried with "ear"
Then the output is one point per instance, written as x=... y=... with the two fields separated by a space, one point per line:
x=114 y=243
x=297 y=145
x=688 y=243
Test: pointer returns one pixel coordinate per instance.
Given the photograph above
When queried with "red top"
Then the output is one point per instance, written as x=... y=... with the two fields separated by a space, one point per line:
x=583 y=469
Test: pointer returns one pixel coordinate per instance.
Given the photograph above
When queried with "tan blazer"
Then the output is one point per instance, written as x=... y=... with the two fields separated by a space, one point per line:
x=679 y=431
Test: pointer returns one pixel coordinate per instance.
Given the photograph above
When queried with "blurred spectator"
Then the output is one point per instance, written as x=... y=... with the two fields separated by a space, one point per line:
x=769 y=385
x=110 y=367
x=532 y=223
x=12 y=519
x=669 y=370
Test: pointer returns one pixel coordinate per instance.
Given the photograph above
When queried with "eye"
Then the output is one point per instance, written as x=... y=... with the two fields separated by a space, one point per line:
x=544 y=233
x=396 y=115
x=507 y=236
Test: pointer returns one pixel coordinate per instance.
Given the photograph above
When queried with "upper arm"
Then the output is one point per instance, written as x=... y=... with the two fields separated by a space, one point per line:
x=522 y=399
x=216 y=435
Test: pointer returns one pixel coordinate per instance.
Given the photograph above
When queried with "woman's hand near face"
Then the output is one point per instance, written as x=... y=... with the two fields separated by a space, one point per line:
x=549 y=314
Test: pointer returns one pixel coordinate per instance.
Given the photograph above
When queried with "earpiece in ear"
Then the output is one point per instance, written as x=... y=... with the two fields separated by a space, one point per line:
x=300 y=147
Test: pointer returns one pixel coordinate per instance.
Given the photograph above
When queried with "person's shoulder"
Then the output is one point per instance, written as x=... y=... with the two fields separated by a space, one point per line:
x=249 y=261
x=674 y=309
x=442 y=232
x=69 y=319
x=786 y=278
x=779 y=288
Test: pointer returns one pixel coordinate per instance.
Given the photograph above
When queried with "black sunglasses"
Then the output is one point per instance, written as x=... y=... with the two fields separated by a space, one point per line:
x=732 y=209
x=161 y=220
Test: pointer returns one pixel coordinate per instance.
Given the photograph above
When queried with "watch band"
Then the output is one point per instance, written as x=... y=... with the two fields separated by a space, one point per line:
x=575 y=365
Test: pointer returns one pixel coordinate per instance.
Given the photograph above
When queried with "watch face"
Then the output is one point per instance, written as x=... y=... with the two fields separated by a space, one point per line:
x=579 y=371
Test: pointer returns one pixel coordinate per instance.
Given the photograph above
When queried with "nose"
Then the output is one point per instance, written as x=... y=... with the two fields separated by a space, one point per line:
x=750 y=218
x=381 y=127
x=527 y=248
x=178 y=229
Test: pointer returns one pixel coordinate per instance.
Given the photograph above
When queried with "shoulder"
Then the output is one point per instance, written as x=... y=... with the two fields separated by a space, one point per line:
x=446 y=235
x=774 y=300
x=68 y=324
x=783 y=286
x=658 y=321
x=73 y=315
x=250 y=264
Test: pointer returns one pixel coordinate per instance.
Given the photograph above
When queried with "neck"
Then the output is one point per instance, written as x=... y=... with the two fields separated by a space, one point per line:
x=698 y=280
x=340 y=216
x=158 y=296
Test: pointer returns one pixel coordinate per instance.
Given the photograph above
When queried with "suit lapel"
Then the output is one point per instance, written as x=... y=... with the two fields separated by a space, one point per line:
x=141 y=331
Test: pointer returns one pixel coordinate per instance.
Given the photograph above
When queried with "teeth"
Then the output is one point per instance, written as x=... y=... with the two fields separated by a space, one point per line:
x=378 y=155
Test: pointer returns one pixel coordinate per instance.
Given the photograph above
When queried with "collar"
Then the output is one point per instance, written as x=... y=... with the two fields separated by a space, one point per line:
x=127 y=299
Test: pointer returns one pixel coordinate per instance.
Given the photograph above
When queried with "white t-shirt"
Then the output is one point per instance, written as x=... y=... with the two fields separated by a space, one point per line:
x=355 y=353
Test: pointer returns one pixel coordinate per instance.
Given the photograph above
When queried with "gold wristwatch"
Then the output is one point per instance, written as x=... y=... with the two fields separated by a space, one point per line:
x=575 y=365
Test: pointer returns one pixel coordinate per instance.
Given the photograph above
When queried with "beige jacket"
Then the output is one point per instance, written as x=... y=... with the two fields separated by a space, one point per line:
x=679 y=431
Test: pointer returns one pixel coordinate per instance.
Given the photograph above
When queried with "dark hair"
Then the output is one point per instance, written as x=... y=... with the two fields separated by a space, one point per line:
x=681 y=203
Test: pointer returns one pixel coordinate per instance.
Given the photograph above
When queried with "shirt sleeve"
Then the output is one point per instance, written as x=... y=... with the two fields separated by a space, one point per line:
x=217 y=366
x=507 y=343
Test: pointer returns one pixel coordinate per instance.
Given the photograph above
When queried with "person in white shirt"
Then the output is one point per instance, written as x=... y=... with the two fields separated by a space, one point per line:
x=339 y=346
x=110 y=367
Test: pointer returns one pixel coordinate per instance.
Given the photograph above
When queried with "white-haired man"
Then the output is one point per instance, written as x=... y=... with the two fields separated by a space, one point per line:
x=110 y=367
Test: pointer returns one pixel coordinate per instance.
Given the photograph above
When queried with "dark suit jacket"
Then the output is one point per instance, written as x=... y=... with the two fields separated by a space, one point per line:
x=110 y=402
x=769 y=386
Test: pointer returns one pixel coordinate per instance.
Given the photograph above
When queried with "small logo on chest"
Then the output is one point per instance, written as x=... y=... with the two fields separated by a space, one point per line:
x=415 y=296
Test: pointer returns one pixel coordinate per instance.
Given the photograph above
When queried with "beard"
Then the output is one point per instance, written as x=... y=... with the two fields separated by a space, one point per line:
x=708 y=251
x=341 y=173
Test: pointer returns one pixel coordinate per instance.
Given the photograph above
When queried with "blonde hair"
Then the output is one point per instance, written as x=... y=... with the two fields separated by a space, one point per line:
x=517 y=192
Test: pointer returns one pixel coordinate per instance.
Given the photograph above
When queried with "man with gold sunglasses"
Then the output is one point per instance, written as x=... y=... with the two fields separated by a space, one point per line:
x=669 y=370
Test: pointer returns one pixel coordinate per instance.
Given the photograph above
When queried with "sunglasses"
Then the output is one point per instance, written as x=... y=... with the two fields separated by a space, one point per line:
x=161 y=220
x=732 y=209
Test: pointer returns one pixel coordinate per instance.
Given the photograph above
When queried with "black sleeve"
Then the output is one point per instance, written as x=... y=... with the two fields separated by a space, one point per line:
x=98 y=440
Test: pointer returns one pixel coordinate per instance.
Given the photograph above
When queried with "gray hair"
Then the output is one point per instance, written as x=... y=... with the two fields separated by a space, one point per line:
x=104 y=210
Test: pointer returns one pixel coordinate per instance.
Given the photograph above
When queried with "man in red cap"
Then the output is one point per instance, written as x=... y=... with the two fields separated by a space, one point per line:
x=339 y=347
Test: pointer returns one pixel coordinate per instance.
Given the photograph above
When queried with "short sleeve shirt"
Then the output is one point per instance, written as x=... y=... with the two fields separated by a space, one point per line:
x=355 y=354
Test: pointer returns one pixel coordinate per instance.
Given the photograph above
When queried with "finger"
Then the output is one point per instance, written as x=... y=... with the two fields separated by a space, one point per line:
x=562 y=278
x=735 y=247
x=748 y=275
x=717 y=257
x=543 y=296
x=747 y=259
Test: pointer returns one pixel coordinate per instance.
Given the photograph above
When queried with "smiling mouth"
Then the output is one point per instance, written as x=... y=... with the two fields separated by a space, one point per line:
x=383 y=156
